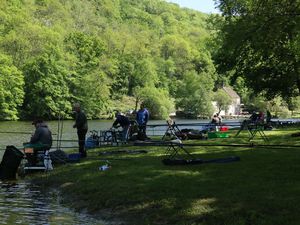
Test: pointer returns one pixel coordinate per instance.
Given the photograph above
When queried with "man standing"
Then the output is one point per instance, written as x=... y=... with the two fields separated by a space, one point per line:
x=142 y=118
x=82 y=128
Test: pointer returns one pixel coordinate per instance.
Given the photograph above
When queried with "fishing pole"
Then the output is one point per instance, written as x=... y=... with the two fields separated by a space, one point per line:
x=232 y=124
x=17 y=132
x=58 y=140
x=159 y=143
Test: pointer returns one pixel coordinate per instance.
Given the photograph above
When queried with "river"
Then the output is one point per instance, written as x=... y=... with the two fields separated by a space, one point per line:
x=24 y=203
x=17 y=132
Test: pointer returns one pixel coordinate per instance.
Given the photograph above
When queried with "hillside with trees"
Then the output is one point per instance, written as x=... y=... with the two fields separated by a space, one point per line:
x=114 y=54
x=107 y=55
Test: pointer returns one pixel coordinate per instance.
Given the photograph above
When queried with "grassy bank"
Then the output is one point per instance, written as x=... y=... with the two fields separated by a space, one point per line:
x=262 y=188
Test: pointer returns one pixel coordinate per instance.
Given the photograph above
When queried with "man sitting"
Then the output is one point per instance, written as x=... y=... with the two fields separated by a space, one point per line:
x=42 y=134
x=41 y=140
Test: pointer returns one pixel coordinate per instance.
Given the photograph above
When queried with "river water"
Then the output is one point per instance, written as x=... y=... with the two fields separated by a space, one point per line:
x=24 y=203
x=17 y=132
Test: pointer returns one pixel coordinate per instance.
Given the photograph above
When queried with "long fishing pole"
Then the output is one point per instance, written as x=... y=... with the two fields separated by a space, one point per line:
x=61 y=132
x=232 y=124
x=161 y=143
x=58 y=130
x=16 y=132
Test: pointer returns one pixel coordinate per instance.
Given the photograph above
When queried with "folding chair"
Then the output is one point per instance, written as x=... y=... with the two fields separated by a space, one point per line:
x=255 y=129
x=173 y=149
x=173 y=131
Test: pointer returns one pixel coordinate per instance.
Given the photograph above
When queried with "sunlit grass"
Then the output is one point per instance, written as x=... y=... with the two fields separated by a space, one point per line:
x=262 y=188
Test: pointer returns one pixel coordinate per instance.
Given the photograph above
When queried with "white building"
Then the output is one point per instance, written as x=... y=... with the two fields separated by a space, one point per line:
x=235 y=107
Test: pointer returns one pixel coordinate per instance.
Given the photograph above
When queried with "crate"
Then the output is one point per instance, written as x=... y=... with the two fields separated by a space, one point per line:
x=75 y=157
x=217 y=135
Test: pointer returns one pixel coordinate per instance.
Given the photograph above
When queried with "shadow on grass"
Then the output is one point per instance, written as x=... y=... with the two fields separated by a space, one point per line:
x=262 y=188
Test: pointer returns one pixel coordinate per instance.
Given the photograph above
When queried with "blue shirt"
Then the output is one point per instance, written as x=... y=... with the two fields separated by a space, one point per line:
x=142 y=116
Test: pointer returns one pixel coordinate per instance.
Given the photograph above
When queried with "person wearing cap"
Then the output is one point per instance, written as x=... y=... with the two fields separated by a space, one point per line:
x=124 y=122
x=82 y=128
x=41 y=140
x=42 y=134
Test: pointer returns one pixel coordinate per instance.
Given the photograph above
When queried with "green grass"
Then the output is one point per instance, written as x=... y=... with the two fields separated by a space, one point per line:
x=260 y=189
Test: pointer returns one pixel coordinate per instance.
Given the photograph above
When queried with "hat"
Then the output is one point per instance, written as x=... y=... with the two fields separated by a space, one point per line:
x=36 y=121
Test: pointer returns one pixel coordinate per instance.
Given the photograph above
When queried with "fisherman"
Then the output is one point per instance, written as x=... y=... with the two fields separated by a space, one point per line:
x=42 y=134
x=215 y=119
x=124 y=122
x=40 y=140
x=142 y=118
x=82 y=128
x=220 y=118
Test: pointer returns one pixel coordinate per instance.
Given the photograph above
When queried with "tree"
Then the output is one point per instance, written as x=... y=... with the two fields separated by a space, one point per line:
x=293 y=104
x=194 y=94
x=260 y=42
x=222 y=100
x=156 y=100
x=11 y=89
x=46 y=86
x=89 y=84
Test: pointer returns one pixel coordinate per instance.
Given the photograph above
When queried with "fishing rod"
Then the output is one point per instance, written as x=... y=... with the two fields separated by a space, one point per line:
x=17 y=132
x=58 y=140
x=197 y=124
x=251 y=145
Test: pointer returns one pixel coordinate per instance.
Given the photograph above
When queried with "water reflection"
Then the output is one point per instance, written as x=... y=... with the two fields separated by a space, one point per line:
x=24 y=203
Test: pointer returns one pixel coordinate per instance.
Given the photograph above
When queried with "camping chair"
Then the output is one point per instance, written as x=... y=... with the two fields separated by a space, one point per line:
x=173 y=131
x=173 y=149
x=253 y=128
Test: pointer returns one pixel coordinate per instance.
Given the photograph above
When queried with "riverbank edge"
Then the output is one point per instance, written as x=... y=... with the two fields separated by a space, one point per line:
x=105 y=216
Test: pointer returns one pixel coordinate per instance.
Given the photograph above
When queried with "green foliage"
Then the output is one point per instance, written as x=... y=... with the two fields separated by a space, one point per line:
x=260 y=41
x=11 y=89
x=294 y=104
x=89 y=82
x=99 y=52
x=194 y=94
x=222 y=99
x=46 y=86
x=157 y=101
x=241 y=88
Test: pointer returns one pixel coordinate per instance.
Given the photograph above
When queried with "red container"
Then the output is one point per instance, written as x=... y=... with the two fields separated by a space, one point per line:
x=223 y=128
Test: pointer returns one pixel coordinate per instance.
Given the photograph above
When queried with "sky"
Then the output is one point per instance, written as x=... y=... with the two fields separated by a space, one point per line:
x=206 y=6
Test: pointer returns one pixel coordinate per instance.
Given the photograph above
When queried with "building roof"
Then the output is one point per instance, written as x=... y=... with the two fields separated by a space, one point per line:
x=231 y=92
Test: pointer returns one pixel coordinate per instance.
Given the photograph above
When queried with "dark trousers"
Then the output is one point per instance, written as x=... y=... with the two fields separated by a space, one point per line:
x=81 y=141
x=142 y=129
